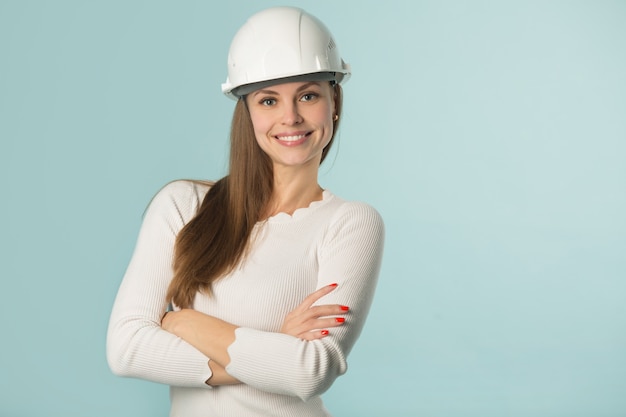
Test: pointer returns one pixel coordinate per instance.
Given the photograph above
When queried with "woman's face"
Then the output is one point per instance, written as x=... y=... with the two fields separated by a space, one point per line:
x=293 y=122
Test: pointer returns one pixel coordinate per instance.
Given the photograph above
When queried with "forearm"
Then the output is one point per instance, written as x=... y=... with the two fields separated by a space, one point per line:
x=283 y=364
x=209 y=335
x=136 y=349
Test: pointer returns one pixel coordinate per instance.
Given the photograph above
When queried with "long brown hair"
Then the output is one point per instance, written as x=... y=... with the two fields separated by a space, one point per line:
x=216 y=239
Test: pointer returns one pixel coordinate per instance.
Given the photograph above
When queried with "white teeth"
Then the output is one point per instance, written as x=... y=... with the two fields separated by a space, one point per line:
x=291 y=138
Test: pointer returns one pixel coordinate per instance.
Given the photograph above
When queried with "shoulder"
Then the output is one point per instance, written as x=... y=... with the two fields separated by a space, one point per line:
x=354 y=229
x=181 y=198
x=356 y=214
x=357 y=210
x=182 y=189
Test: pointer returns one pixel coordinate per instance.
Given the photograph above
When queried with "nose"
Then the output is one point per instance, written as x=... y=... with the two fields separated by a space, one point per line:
x=291 y=114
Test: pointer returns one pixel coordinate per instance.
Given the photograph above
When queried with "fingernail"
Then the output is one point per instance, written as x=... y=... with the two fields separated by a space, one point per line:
x=345 y=308
x=324 y=332
x=339 y=319
x=333 y=284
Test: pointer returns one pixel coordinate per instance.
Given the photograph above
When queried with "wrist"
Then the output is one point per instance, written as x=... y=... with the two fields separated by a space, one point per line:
x=173 y=321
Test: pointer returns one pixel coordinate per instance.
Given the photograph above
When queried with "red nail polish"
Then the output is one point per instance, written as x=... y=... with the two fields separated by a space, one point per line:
x=339 y=319
x=324 y=332
x=333 y=284
x=345 y=308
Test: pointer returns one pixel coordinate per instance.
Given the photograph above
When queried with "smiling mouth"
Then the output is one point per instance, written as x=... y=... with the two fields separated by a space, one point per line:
x=292 y=138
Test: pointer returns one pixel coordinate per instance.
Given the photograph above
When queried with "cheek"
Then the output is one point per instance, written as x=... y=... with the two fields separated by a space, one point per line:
x=260 y=125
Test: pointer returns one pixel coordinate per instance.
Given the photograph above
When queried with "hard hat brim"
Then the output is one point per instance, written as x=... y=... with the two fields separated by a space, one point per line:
x=246 y=89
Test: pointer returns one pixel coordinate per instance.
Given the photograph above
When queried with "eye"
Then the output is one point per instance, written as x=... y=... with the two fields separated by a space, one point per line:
x=267 y=101
x=309 y=97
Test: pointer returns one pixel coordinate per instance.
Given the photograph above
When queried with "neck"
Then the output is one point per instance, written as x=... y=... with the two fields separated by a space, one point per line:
x=293 y=190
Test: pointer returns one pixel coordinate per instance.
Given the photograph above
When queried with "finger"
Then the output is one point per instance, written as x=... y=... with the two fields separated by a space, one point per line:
x=326 y=323
x=313 y=325
x=313 y=297
x=315 y=335
x=299 y=322
x=326 y=310
x=317 y=312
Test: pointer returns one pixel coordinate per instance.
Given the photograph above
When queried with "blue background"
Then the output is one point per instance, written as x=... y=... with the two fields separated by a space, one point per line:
x=490 y=135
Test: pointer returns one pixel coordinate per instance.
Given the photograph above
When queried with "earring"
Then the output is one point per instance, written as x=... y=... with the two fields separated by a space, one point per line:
x=335 y=117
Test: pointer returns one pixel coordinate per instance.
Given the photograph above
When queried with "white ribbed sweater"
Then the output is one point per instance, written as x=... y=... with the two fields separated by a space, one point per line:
x=332 y=240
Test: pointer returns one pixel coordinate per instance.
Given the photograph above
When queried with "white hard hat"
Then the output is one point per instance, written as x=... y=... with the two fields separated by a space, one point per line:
x=282 y=44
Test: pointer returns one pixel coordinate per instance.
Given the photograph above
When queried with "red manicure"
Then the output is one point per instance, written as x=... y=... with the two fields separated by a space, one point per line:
x=345 y=308
x=324 y=332
x=333 y=285
x=339 y=319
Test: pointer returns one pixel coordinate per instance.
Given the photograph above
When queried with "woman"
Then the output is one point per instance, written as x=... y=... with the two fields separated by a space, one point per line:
x=270 y=277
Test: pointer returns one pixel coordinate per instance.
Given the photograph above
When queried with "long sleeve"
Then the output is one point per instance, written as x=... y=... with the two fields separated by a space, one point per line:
x=136 y=344
x=350 y=254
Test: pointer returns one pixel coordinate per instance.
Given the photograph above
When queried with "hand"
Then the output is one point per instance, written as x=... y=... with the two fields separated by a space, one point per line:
x=309 y=322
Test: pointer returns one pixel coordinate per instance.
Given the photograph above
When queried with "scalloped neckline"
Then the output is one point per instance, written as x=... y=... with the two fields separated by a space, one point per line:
x=302 y=211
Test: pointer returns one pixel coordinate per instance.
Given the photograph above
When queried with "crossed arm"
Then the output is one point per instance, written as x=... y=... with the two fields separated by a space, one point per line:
x=298 y=359
x=213 y=336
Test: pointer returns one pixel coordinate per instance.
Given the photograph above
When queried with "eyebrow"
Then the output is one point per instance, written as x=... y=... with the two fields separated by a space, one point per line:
x=302 y=87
